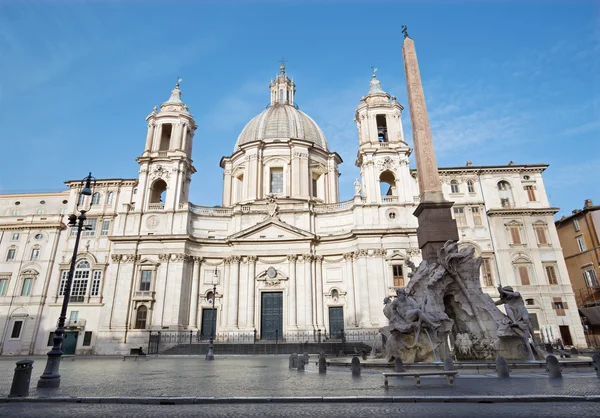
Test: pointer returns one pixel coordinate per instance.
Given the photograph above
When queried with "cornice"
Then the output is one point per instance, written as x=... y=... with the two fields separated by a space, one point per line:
x=491 y=169
x=34 y=225
x=523 y=211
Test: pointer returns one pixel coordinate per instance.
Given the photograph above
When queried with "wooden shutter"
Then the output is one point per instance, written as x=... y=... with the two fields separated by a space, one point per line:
x=524 y=275
x=551 y=274
x=540 y=231
x=515 y=235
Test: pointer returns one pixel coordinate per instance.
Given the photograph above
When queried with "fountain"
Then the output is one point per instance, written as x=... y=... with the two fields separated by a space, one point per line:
x=443 y=312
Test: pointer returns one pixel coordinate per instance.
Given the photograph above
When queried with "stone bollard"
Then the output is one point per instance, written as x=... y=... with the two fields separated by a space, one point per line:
x=502 y=367
x=596 y=360
x=322 y=363
x=294 y=360
x=300 y=364
x=448 y=365
x=355 y=366
x=21 y=378
x=553 y=367
x=291 y=361
x=399 y=365
x=574 y=351
x=306 y=357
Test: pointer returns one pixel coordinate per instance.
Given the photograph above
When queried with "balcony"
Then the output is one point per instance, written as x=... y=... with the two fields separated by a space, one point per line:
x=156 y=206
x=75 y=323
x=143 y=295
x=389 y=199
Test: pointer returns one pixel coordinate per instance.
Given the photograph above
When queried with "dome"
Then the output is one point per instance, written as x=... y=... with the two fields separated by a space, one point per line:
x=282 y=121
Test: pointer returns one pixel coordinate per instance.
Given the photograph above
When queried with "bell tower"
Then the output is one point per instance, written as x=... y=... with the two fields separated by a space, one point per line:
x=166 y=165
x=382 y=154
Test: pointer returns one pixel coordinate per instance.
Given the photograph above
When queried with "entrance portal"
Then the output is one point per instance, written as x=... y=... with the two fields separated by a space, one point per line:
x=69 y=343
x=271 y=320
x=565 y=334
x=336 y=321
x=209 y=323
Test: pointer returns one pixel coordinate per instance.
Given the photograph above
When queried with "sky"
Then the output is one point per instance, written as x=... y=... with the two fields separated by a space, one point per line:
x=504 y=81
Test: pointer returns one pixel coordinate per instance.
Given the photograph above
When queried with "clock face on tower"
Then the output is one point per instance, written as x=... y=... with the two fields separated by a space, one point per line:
x=271 y=272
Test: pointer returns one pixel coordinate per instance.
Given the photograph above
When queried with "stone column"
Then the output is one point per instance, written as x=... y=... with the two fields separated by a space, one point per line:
x=225 y=295
x=309 y=291
x=319 y=275
x=197 y=267
x=251 y=291
x=227 y=198
x=363 y=286
x=149 y=136
x=436 y=225
x=234 y=279
x=176 y=136
x=292 y=318
x=353 y=297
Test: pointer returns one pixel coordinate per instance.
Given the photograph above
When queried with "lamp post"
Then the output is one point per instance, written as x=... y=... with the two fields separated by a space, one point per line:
x=209 y=353
x=51 y=378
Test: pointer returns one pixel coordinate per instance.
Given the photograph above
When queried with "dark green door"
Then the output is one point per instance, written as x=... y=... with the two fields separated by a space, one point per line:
x=271 y=323
x=336 y=322
x=209 y=323
x=70 y=342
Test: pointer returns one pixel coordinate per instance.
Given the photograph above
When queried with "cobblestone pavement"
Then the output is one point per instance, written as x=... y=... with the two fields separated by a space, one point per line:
x=589 y=409
x=269 y=376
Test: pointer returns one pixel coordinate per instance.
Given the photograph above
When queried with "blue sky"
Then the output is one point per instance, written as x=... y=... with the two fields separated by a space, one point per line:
x=504 y=80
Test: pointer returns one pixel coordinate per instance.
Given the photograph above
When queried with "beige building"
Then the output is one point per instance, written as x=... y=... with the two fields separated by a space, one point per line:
x=579 y=235
x=288 y=259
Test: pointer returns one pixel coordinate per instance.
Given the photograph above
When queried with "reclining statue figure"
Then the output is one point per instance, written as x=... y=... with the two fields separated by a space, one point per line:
x=516 y=312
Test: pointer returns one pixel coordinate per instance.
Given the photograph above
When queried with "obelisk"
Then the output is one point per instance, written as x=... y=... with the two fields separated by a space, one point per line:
x=436 y=225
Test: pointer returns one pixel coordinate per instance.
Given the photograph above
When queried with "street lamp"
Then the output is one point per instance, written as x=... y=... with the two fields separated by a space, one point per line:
x=51 y=378
x=209 y=353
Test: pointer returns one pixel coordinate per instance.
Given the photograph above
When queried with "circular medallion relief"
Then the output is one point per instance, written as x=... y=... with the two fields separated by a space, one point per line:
x=152 y=222
x=271 y=272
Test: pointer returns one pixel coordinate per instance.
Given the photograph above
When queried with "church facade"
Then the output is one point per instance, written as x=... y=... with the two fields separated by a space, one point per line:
x=288 y=260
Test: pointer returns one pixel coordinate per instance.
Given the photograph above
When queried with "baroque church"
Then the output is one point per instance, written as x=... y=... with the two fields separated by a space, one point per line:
x=287 y=259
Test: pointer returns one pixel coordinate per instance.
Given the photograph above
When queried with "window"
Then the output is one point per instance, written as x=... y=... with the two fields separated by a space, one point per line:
x=80 y=281
x=10 y=255
x=158 y=193
x=476 y=215
x=239 y=188
x=80 y=200
x=486 y=272
x=140 y=317
x=530 y=193
x=3 y=286
x=581 y=243
x=87 y=339
x=459 y=215
x=90 y=231
x=26 y=289
x=96 y=198
x=589 y=274
x=165 y=137
x=529 y=302
x=40 y=211
x=146 y=281
x=74 y=316
x=551 y=274
x=559 y=306
x=277 y=180
x=314 y=187
x=540 y=233
x=523 y=273
x=470 y=186
x=398 y=276
x=109 y=198
x=15 y=212
x=454 y=186
x=95 y=291
x=16 y=330
x=15 y=236
x=35 y=254
x=382 y=133
x=105 y=227
x=505 y=202
x=387 y=184
x=38 y=236
x=505 y=193
x=576 y=225
x=51 y=339
x=63 y=282
x=503 y=186
x=515 y=234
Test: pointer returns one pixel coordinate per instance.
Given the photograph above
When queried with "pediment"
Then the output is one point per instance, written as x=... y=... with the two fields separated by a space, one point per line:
x=271 y=230
x=147 y=262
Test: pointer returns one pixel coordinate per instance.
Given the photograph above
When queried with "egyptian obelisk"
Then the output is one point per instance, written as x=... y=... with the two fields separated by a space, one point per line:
x=436 y=225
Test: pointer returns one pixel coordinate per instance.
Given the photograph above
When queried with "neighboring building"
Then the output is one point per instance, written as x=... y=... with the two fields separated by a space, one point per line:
x=289 y=258
x=579 y=236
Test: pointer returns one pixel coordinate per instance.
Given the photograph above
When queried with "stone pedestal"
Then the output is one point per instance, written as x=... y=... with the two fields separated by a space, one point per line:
x=436 y=225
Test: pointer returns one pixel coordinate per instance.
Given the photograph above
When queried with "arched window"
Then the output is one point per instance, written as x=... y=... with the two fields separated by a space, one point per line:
x=470 y=186
x=505 y=192
x=81 y=277
x=140 y=317
x=209 y=297
x=96 y=198
x=281 y=96
x=165 y=137
x=335 y=295
x=454 y=186
x=523 y=271
x=239 y=188
x=387 y=184
x=81 y=200
x=109 y=198
x=158 y=192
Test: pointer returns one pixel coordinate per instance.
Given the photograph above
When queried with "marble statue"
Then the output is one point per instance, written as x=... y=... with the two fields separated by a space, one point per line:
x=443 y=306
x=357 y=188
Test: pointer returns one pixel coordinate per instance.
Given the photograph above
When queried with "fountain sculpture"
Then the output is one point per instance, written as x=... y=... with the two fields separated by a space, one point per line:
x=444 y=308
